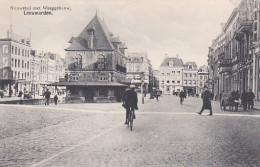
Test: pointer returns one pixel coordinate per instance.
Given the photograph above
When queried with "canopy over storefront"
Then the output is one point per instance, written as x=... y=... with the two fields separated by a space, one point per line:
x=86 y=83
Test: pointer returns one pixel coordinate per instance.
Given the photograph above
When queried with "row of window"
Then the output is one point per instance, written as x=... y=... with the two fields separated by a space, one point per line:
x=21 y=75
x=162 y=82
x=205 y=77
x=190 y=75
x=190 y=82
x=186 y=82
x=173 y=73
x=21 y=52
x=17 y=63
x=43 y=69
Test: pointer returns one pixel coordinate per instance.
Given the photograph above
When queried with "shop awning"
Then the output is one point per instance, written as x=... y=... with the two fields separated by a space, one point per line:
x=86 y=83
x=7 y=81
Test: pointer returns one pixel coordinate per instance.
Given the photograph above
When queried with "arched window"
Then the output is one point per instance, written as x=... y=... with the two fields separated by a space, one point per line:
x=78 y=61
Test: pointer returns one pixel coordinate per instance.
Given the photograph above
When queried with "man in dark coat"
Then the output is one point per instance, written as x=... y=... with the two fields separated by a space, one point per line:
x=124 y=105
x=47 y=96
x=56 y=99
x=250 y=98
x=206 y=96
x=130 y=101
x=244 y=99
x=182 y=96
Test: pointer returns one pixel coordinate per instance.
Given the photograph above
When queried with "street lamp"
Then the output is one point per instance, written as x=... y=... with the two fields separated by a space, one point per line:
x=142 y=87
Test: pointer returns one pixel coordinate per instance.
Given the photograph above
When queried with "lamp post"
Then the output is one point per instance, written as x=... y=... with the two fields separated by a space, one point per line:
x=142 y=87
x=151 y=91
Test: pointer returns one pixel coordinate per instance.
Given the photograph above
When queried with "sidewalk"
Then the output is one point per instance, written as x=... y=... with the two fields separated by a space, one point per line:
x=15 y=98
x=257 y=105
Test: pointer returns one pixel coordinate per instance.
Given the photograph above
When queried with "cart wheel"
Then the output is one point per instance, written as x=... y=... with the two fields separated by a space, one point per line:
x=236 y=107
x=224 y=106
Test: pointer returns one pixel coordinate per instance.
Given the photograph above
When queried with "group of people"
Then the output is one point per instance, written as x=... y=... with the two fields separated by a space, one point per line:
x=47 y=95
x=247 y=98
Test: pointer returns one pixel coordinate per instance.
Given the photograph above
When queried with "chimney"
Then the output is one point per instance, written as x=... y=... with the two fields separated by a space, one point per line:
x=91 y=35
x=10 y=32
x=223 y=25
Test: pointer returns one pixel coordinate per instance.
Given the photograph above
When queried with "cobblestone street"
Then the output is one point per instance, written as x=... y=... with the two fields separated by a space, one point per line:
x=165 y=133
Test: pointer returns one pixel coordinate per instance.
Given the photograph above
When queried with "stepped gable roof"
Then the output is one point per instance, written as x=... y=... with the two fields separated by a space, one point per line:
x=101 y=39
x=176 y=62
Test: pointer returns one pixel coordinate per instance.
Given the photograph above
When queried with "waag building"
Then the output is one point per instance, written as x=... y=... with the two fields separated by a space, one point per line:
x=95 y=65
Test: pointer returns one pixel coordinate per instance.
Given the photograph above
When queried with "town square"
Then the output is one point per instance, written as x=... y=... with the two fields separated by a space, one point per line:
x=129 y=83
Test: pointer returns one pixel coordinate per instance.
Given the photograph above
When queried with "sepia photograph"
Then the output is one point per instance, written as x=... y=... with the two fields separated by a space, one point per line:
x=129 y=83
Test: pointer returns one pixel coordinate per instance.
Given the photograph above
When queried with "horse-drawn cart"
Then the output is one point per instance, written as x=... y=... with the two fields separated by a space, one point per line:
x=229 y=100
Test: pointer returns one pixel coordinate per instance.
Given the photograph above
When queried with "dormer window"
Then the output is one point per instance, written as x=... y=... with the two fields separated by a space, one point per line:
x=190 y=66
x=171 y=63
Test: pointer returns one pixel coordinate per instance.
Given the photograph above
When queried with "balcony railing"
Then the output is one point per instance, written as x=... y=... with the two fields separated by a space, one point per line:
x=238 y=35
x=245 y=25
x=225 y=62
x=221 y=55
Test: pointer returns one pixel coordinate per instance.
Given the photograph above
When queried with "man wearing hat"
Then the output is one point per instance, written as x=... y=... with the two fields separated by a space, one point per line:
x=206 y=102
x=130 y=101
x=47 y=96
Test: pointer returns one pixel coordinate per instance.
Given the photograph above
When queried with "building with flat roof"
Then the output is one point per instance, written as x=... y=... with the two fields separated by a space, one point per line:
x=15 y=73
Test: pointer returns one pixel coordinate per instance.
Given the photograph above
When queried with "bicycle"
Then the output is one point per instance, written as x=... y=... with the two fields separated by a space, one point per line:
x=130 y=119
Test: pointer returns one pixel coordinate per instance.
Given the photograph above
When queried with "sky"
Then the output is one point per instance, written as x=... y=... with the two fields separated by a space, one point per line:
x=160 y=27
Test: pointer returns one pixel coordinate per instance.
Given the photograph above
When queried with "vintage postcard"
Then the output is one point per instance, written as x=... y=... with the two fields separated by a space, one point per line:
x=129 y=83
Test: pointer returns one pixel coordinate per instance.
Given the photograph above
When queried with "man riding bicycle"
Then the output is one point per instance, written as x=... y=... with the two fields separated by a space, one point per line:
x=130 y=101
x=182 y=96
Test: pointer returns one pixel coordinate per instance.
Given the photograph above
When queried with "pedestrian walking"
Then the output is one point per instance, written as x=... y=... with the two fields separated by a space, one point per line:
x=130 y=103
x=47 y=95
x=182 y=96
x=206 y=96
x=156 y=94
x=244 y=99
x=2 y=94
x=250 y=99
x=56 y=99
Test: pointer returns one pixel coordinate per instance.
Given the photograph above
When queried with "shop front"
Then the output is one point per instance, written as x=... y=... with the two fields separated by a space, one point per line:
x=92 y=92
